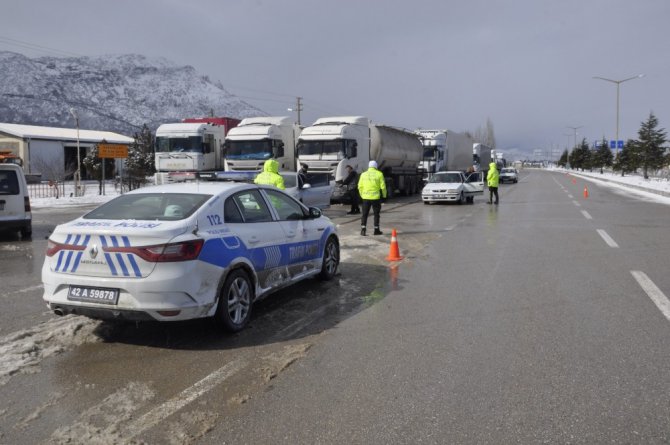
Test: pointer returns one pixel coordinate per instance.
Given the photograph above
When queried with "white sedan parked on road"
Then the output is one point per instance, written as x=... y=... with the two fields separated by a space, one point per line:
x=453 y=186
x=189 y=250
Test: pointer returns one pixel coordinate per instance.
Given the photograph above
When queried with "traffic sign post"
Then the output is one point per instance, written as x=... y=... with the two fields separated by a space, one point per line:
x=110 y=151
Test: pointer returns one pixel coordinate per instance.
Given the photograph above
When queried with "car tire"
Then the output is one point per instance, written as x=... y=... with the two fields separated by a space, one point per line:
x=462 y=199
x=331 y=259
x=235 y=301
x=27 y=232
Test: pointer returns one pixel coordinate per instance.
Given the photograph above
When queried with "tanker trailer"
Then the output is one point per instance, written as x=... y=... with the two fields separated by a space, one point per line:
x=332 y=143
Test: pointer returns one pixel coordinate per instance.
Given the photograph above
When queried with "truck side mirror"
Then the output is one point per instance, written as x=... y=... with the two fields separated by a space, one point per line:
x=280 y=151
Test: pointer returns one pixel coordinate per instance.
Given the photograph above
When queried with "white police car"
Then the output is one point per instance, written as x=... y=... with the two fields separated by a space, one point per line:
x=182 y=251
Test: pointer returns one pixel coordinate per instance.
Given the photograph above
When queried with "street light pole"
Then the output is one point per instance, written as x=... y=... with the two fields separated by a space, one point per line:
x=618 y=83
x=575 y=130
x=77 y=184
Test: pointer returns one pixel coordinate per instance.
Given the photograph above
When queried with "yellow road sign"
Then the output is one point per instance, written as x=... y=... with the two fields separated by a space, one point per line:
x=112 y=151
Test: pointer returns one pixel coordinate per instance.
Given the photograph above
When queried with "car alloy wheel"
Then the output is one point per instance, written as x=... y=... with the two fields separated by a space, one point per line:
x=331 y=259
x=235 y=299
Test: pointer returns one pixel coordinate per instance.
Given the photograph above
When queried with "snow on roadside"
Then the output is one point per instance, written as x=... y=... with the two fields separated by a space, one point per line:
x=23 y=351
x=91 y=196
x=653 y=189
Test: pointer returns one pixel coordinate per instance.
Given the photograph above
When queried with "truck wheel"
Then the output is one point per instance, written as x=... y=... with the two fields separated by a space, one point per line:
x=233 y=311
x=331 y=259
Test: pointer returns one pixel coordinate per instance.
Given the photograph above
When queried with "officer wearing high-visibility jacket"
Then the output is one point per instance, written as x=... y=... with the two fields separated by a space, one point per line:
x=371 y=188
x=270 y=175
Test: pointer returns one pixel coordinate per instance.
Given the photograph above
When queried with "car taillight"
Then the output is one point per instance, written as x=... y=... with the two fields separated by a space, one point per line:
x=26 y=204
x=53 y=247
x=164 y=253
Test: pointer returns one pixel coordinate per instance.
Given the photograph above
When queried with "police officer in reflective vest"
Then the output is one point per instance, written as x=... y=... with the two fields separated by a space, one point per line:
x=371 y=188
x=270 y=175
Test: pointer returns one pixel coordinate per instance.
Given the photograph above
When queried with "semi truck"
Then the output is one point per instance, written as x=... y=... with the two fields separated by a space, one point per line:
x=257 y=139
x=444 y=150
x=332 y=143
x=481 y=157
x=191 y=146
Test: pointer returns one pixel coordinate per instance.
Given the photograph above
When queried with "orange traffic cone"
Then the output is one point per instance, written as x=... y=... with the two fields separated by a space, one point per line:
x=394 y=251
x=586 y=192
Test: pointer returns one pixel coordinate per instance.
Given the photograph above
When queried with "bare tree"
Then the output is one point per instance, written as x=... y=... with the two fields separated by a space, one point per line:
x=485 y=134
x=54 y=172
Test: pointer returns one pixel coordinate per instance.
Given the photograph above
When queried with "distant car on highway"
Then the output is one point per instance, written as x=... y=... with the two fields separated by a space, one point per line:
x=188 y=250
x=509 y=174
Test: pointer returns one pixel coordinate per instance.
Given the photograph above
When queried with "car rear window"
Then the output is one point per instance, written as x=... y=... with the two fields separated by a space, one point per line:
x=150 y=206
x=9 y=183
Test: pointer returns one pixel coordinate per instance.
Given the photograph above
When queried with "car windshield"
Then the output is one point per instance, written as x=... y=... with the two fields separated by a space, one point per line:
x=150 y=206
x=445 y=177
x=507 y=170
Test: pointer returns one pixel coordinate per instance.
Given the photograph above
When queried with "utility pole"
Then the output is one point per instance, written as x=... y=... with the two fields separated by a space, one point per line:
x=77 y=174
x=298 y=107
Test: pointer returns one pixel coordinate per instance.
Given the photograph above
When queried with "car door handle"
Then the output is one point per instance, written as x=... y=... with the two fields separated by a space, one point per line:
x=253 y=239
x=321 y=229
x=290 y=234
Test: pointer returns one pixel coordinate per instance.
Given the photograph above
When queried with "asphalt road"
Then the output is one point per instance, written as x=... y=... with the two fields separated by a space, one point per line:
x=538 y=320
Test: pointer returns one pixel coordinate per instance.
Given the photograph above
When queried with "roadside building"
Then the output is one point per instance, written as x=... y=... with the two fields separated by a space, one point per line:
x=50 y=152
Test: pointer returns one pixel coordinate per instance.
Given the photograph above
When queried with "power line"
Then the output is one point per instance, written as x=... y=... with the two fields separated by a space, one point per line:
x=36 y=47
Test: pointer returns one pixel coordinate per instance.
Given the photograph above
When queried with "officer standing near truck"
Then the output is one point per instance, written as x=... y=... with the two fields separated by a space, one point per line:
x=270 y=175
x=371 y=188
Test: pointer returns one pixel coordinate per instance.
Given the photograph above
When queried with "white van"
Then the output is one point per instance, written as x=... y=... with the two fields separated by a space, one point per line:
x=15 y=211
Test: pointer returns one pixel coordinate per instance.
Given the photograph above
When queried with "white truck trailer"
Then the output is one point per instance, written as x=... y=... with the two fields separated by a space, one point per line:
x=258 y=139
x=444 y=150
x=183 y=149
x=332 y=143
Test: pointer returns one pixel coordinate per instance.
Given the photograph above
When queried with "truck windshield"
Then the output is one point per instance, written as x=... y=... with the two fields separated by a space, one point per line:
x=179 y=145
x=254 y=150
x=335 y=147
x=429 y=152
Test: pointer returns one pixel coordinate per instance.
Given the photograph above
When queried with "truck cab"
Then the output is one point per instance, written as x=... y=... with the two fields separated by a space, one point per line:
x=330 y=144
x=182 y=149
x=258 y=139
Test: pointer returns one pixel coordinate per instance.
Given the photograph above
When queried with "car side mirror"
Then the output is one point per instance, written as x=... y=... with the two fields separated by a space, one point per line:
x=306 y=186
x=314 y=212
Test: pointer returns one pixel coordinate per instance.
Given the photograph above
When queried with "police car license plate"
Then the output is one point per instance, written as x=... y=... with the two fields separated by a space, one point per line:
x=93 y=294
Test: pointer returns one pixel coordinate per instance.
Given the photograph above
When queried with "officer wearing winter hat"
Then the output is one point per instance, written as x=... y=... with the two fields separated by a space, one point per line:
x=371 y=188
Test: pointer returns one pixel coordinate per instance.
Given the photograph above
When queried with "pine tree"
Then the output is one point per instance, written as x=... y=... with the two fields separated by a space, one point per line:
x=602 y=157
x=140 y=162
x=563 y=161
x=626 y=159
x=580 y=158
x=649 y=147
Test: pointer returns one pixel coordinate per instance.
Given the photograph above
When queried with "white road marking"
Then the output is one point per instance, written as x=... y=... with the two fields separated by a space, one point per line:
x=570 y=196
x=576 y=203
x=656 y=295
x=608 y=239
x=586 y=214
x=161 y=412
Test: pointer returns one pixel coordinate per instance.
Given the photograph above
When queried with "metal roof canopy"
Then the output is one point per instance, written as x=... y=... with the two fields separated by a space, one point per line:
x=63 y=134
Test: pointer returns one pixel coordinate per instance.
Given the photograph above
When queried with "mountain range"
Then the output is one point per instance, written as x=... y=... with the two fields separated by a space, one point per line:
x=118 y=93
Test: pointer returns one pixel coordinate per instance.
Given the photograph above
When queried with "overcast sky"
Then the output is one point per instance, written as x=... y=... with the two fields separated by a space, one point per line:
x=527 y=65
